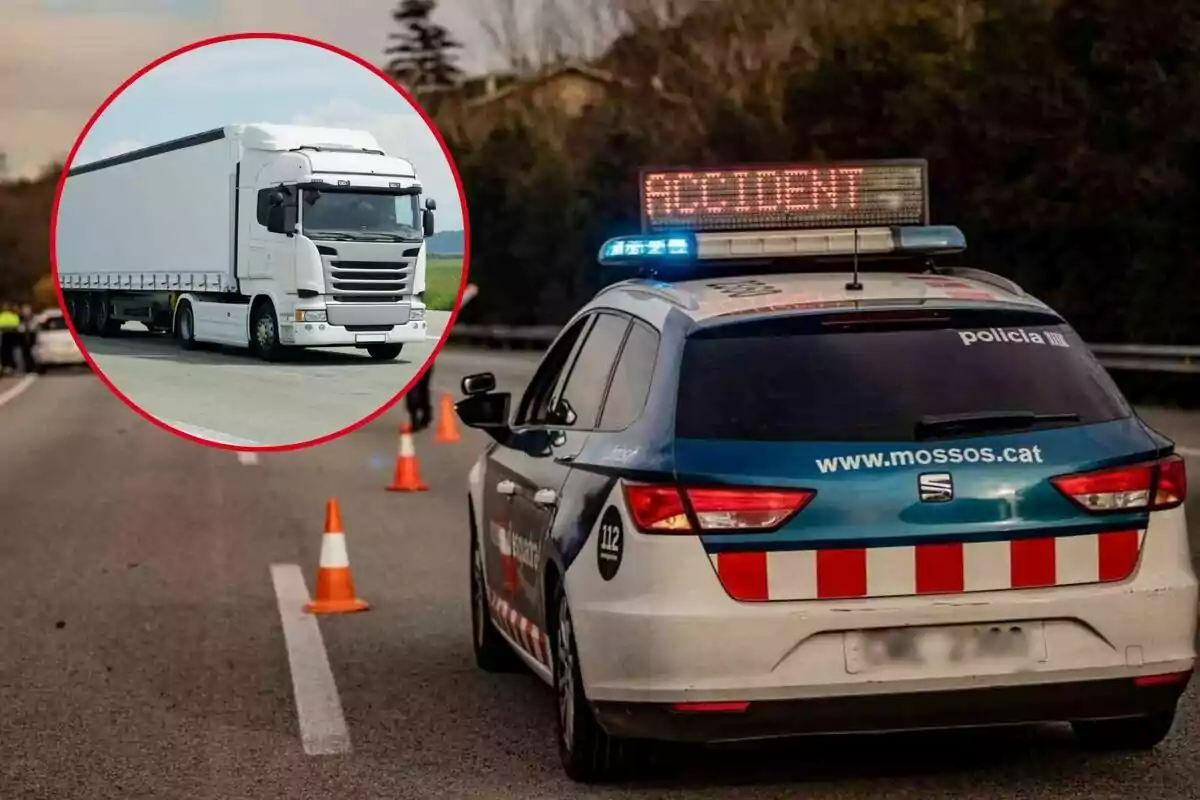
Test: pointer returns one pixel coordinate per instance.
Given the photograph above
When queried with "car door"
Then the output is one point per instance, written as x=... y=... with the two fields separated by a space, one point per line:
x=553 y=433
x=505 y=462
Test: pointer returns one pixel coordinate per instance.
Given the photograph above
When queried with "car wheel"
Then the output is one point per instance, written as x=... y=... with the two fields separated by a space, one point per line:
x=264 y=333
x=588 y=753
x=492 y=653
x=1115 y=735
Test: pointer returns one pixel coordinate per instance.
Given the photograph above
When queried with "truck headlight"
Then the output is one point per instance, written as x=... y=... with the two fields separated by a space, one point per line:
x=416 y=314
x=310 y=316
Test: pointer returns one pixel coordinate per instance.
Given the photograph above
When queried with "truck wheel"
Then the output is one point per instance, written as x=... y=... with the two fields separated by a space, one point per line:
x=588 y=753
x=102 y=315
x=264 y=333
x=492 y=653
x=185 y=327
x=384 y=352
x=83 y=320
x=1115 y=735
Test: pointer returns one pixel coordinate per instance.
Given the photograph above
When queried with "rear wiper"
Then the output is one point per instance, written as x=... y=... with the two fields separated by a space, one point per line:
x=985 y=421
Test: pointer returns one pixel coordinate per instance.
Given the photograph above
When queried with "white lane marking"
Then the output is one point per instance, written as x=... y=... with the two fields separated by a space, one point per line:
x=24 y=384
x=323 y=728
x=1188 y=452
x=247 y=458
x=208 y=434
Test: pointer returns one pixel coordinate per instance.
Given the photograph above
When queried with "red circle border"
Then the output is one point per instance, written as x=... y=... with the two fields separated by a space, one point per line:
x=462 y=199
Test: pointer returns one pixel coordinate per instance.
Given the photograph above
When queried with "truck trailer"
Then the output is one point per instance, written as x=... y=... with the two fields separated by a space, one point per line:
x=263 y=236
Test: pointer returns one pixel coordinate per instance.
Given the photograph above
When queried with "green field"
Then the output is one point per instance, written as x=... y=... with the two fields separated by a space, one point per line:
x=442 y=277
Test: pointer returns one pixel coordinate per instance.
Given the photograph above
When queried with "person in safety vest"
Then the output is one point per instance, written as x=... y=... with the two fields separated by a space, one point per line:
x=10 y=332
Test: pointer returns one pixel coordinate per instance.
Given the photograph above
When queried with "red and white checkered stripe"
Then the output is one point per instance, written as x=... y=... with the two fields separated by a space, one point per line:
x=520 y=629
x=509 y=568
x=929 y=568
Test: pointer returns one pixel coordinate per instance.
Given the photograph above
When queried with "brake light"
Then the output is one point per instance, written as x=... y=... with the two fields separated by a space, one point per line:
x=661 y=509
x=657 y=509
x=1155 y=486
x=745 y=509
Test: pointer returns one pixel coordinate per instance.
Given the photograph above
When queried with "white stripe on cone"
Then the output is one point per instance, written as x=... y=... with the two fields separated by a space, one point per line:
x=406 y=445
x=333 y=551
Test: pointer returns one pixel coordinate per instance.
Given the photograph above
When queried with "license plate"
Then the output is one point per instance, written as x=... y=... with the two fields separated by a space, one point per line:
x=370 y=338
x=945 y=648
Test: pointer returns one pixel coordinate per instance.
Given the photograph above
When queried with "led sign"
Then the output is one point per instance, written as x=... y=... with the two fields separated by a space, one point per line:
x=787 y=197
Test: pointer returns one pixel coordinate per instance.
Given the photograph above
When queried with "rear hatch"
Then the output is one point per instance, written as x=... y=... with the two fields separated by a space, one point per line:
x=874 y=454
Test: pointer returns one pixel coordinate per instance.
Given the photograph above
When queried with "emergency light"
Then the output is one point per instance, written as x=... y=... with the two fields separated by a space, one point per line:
x=642 y=249
x=764 y=213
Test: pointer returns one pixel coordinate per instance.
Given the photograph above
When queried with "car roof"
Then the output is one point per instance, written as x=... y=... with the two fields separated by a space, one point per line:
x=711 y=300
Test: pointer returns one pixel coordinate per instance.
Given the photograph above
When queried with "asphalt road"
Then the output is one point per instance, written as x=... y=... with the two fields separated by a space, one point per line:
x=144 y=654
x=227 y=395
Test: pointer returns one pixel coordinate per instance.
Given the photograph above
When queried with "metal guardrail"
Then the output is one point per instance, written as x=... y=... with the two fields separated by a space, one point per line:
x=1130 y=357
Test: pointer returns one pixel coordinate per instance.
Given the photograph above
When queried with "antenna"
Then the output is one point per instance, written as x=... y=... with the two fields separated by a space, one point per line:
x=854 y=285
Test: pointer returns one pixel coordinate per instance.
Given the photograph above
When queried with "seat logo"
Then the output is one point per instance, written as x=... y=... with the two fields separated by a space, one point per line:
x=935 y=487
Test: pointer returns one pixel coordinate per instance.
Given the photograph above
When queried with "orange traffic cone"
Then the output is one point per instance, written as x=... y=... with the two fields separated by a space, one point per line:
x=407 y=477
x=447 y=431
x=335 y=586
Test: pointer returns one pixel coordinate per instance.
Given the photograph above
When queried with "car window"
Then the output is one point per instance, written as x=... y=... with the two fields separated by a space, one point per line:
x=549 y=375
x=631 y=379
x=53 y=323
x=876 y=384
x=577 y=403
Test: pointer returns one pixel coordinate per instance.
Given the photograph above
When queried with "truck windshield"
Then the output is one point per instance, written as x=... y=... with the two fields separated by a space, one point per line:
x=366 y=215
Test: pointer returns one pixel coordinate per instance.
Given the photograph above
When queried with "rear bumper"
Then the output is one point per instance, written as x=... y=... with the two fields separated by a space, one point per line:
x=1010 y=705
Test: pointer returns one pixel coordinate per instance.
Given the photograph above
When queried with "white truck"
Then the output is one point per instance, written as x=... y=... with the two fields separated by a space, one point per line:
x=262 y=236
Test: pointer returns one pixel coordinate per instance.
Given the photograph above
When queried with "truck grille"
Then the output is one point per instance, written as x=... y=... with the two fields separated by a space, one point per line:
x=371 y=281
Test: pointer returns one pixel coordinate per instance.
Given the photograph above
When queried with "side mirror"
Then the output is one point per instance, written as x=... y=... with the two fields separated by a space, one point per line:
x=488 y=413
x=276 y=198
x=431 y=204
x=276 y=222
x=427 y=221
x=480 y=383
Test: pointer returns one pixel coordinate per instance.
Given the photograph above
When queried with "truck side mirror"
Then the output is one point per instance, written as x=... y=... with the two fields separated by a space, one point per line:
x=427 y=221
x=277 y=219
x=431 y=204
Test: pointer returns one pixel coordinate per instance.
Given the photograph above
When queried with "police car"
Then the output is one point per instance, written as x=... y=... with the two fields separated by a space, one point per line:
x=802 y=474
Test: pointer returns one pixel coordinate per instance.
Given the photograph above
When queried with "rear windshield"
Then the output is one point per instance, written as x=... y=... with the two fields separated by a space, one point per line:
x=810 y=381
x=53 y=324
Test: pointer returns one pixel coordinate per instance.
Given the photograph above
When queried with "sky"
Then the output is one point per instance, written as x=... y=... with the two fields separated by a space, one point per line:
x=62 y=58
x=275 y=81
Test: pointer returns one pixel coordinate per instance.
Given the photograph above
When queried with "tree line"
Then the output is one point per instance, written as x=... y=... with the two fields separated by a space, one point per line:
x=1063 y=136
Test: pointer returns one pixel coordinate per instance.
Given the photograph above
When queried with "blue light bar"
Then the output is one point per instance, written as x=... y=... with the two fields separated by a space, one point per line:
x=930 y=239
x=644 y=249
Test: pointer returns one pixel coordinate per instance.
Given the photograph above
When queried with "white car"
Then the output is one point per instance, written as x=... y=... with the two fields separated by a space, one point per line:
x=55 y=346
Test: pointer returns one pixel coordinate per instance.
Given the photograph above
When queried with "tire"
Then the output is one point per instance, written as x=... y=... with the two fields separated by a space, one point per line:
x=83 y=320
x=185 y=327
x=588 y=754
x=103 y=322
x=384 y=352
x=492 y=653
x=1124 y=735
x=264 y=333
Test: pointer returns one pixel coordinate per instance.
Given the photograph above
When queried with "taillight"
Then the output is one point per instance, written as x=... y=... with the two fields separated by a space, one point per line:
x=1154 y=486
x=657 y=509
x=661 y=509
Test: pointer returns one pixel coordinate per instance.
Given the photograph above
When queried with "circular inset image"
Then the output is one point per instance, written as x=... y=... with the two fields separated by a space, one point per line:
x=249 y=245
